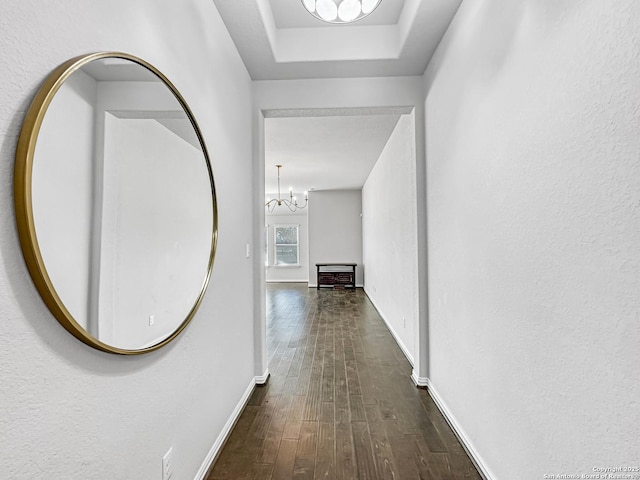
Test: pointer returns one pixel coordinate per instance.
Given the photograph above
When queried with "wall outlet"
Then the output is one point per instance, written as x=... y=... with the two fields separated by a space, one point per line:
x=152 y=320
x=248 y=250
x=167 y=465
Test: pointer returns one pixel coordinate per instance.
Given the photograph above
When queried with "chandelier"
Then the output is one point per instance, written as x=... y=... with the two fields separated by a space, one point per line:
x=340 y=11
x=291 y=203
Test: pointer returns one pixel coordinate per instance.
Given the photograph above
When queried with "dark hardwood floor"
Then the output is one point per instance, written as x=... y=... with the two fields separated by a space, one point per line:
x=339 y=403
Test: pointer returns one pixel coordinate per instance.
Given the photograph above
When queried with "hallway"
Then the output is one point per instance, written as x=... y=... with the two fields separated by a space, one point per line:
x=339 y=402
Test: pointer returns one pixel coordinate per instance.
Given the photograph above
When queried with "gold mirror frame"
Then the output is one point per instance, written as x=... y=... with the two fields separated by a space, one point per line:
x=24 y=206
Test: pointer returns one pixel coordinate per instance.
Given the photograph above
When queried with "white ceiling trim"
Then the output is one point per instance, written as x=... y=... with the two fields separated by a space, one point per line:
x=335 y=112
x=374 y=42
x=397 y=42
x=407 y=19
x=266 y=14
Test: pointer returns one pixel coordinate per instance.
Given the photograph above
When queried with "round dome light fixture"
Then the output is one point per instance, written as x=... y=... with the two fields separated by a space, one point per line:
x=340 y=11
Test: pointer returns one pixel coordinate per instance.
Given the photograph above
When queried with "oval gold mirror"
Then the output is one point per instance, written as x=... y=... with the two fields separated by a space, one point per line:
x=115 y=203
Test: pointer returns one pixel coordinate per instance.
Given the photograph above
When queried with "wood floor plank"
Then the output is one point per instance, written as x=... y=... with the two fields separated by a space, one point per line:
x=367 y=385
x=294 y=420
x=275 y=431
x=403 y=449
x=353 y=381
x=261 y=471
x=328 y=378
x=356 y=409
x=461 y=467
x=304 y=468
x=365 y=464
x=327 y=412
x=261 y=422
x=430 y=464
x=325 y=451
x=339 y=403
x=345 y=455
x=257 y=397
x=304 y=465
x=241 y=430
x=283 y=467
x=315 y=382
x=341 y=393
x=382 y=452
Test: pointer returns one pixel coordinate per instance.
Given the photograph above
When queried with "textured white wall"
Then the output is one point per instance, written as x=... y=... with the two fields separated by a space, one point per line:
x=289 y=274
x=335 y=230
x=533 y=167
x=67 y=410
x=389 y=235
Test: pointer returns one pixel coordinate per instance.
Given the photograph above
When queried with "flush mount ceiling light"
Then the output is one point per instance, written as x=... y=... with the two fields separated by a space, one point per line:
x=291 y=203
x=340 y=11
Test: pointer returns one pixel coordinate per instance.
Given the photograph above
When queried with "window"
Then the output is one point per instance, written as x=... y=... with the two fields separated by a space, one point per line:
x=286 y=252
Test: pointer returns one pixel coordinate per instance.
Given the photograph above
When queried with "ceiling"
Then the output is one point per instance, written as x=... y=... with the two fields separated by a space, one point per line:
x=279 y=39
x=325 y=152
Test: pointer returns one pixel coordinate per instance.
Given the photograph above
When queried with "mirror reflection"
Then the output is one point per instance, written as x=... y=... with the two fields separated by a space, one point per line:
x=123 y=204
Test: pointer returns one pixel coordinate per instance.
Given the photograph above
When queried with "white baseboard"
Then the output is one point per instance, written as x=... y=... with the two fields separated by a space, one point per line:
x=418 y=380
x=262 y=379
x=226 y=430
x=396 y=337
x=481 y=466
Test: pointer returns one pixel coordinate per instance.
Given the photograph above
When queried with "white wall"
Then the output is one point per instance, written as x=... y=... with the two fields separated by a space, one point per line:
x=335 y=230
x=288 y=274
x=390 y=238
x=67 y=410
x=533 y=113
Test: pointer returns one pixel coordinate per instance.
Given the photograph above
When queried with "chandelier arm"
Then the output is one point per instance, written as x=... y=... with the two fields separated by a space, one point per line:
x=291 y=203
